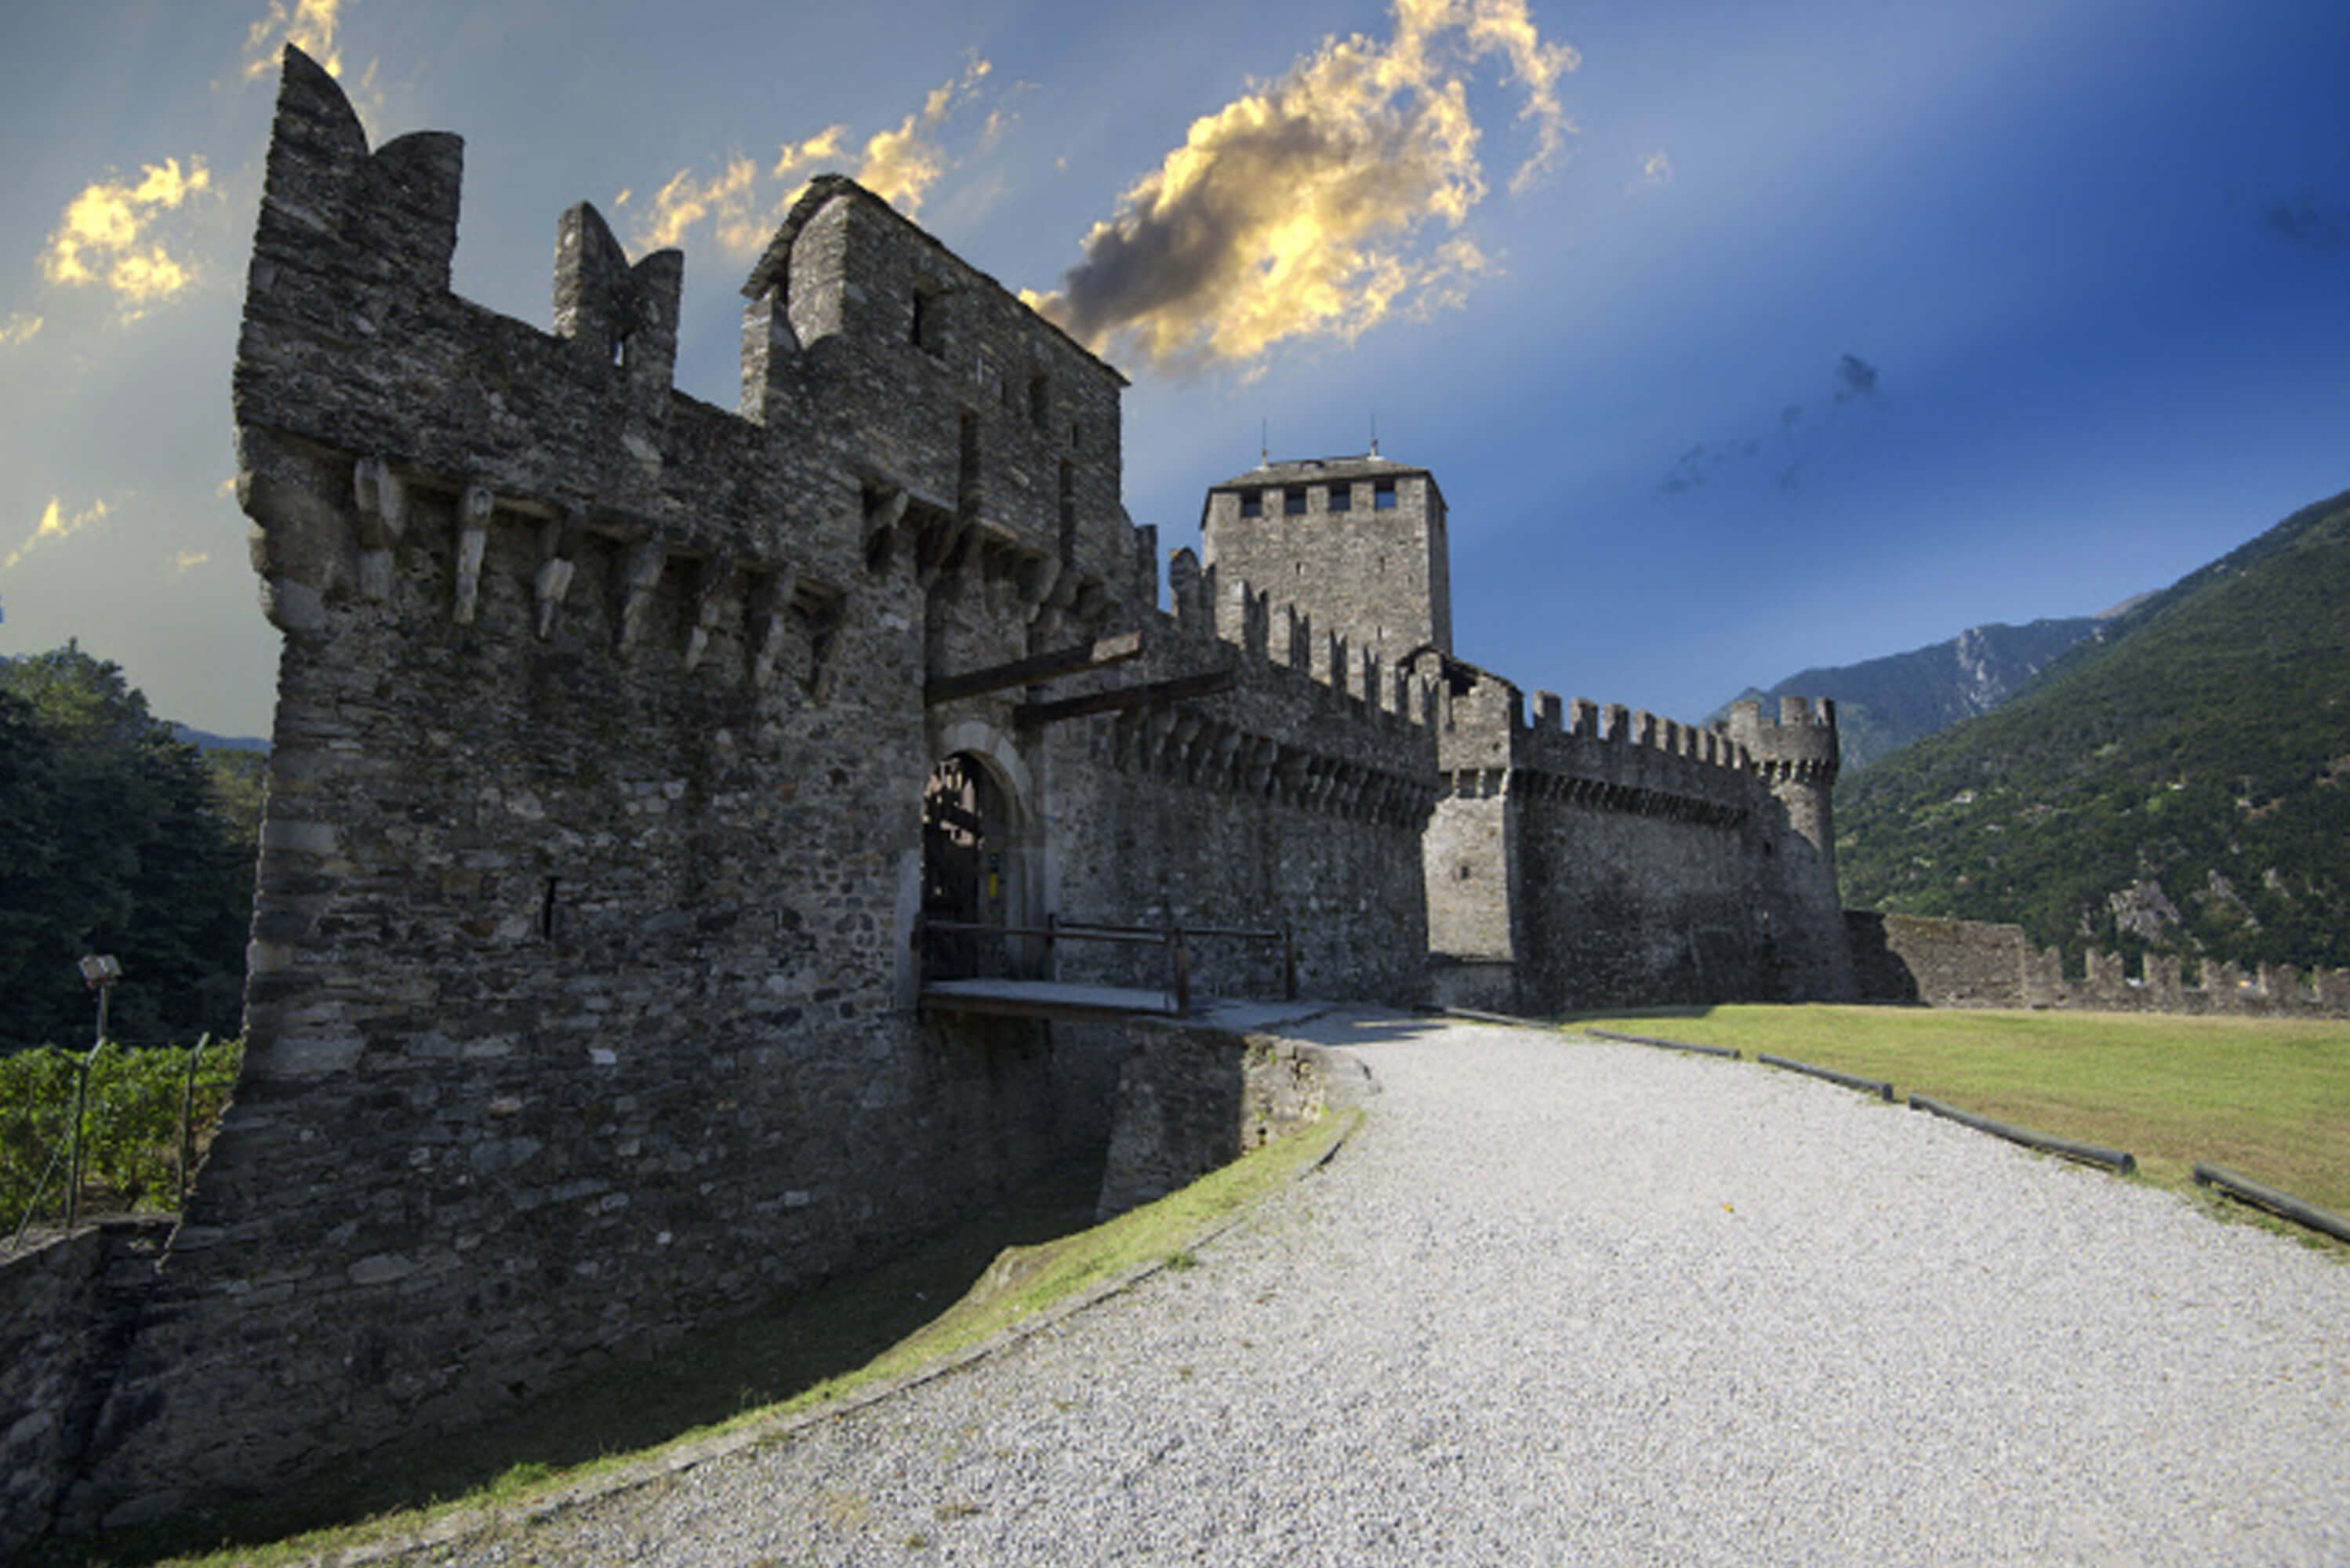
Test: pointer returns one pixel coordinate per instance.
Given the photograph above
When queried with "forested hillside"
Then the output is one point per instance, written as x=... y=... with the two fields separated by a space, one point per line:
x=2181 y=782
x=115 y=838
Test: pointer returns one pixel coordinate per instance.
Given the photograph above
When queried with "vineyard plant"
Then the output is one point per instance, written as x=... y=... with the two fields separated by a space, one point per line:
x=131 y=1125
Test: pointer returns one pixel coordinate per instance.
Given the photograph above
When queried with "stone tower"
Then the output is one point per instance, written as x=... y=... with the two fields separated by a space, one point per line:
x=1797 y=759
x=1354 y=545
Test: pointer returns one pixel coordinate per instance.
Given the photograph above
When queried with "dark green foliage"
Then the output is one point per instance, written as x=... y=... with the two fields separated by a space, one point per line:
x=131 y=1124
x=1884 y=704
x=113 y=840
x=2195 y=759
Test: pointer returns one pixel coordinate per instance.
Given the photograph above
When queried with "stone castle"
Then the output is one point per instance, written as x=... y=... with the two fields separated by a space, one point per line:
x=640 y=766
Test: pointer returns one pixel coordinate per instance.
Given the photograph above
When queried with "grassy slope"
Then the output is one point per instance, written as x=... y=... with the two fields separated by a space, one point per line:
x=2267 y=1097
x=2204 y=745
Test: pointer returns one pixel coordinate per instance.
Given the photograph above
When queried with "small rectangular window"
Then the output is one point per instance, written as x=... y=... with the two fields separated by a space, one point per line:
x=1253 y=505
x=924 y=331
x=1339 y=497
x=1293 y=501
x=1383 y=495
x=1040 y=402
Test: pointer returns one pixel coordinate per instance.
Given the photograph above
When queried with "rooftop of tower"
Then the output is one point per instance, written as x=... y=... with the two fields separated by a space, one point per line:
x=1308 y=469
x=1322 y=471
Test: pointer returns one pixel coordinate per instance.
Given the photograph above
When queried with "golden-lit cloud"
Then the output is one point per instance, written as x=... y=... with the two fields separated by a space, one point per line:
x=107 y=237
x=900 y=166
x=742 y=202
x=1657 y=169
x=725 y=199
x=56 y=523
x=1303 y=207
x=307 y=24
x=18 y=329
x=188 y=560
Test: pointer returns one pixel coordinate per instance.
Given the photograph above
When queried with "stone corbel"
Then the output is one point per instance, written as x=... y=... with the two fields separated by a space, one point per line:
x=558 y=543
x=473 y=510
x=640 y=571
x=1036 y=579
x=1179 y=736
x=300 y=535
x=1219 y=771
x=709 y=584
x=883 y=513
x=379 y=521
x=770 y=626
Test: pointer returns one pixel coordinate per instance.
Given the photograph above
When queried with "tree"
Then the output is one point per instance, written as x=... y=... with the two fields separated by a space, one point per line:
x=112 y=839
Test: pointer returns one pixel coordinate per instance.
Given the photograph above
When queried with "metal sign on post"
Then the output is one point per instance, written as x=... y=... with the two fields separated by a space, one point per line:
x=99 y=971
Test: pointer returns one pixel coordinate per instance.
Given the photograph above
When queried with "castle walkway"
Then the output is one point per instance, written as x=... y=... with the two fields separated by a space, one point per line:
x=1569 y=1302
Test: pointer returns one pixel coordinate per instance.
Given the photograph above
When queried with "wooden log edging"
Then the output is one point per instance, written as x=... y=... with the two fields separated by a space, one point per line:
x=2281 y=1203
x=1475 y=1016
x=1878 y=1086
x=2120 y=1159
x=1668 y=1044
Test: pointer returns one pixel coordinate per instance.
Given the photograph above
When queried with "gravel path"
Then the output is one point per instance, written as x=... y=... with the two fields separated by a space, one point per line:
x=1574 y=1303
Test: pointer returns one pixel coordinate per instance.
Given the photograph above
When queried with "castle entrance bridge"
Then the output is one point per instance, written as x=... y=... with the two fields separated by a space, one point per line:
x=1007 y=995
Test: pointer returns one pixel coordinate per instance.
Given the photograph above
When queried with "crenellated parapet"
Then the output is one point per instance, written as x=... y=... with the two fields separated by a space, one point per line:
x=1799 y=748
x=1290 y=732
x=1611 y=757
x=978 y=443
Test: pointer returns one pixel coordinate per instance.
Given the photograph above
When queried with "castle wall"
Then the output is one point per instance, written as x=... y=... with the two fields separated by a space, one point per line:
x=1285 y=802
x=1971 y=963
x=68 y=1310
x=580 y=999
x=1617 y=860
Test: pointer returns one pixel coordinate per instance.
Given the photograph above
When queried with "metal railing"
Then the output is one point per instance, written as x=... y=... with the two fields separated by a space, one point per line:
x=1175 y=938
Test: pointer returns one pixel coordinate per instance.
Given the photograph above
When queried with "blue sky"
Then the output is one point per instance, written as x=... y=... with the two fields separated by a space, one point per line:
x=1742 y=337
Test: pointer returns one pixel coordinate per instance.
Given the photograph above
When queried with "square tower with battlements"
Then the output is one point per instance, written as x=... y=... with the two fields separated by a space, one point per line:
x=1355 y=544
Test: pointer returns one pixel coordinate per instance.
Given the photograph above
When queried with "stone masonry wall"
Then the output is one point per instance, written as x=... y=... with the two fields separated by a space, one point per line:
x=1971 y=963
x=1191 y=1098
x=580 y=1008
x=1343 y=571
x=68 y=1311
x=1615 y=858
x=1285 y=802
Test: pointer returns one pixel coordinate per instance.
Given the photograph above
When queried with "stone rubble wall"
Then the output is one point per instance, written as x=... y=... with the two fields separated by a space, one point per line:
x=67 y=1310
x=1970 y=963
x=580 y=1005
x=1192 y=1098
x=1614 y=858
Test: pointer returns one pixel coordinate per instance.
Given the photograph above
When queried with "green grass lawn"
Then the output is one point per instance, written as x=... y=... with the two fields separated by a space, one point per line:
x=2268 y=1098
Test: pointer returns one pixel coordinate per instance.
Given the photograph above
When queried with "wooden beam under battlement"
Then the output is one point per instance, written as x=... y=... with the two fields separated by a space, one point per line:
x=1207 y=684
x=1095 y=655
